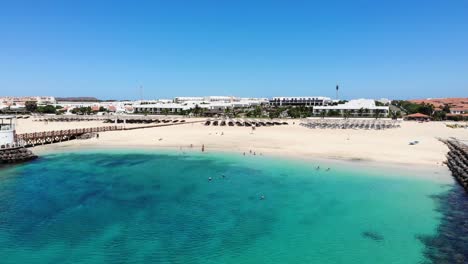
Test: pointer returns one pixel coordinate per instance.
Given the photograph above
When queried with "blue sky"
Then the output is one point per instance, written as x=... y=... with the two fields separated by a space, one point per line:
x=108 y=49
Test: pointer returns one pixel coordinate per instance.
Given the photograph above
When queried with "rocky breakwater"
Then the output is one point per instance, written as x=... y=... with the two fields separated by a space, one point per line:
x=15 y=155
x=457 y=161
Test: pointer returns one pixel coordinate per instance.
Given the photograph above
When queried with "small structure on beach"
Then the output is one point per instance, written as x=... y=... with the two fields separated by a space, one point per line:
x=7 y=130
x=10 y=150
x=418 y=117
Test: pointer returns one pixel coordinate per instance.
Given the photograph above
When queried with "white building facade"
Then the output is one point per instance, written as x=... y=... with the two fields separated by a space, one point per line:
x=7 y=130
x=306 y=101
x=355 y=108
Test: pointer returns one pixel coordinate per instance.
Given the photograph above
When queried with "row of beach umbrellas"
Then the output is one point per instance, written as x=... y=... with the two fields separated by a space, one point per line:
x=367 y=124
x=244 y=122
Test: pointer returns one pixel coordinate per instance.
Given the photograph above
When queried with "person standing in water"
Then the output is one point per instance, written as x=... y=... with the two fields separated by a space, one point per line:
x=203 y=148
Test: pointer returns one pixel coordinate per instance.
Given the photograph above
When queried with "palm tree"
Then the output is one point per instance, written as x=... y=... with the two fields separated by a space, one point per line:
x=361 y=111
x=366 y=111
x=346 y=114
x=227 y=111
x=377 y=113
x=196 y=110
x=323 y=114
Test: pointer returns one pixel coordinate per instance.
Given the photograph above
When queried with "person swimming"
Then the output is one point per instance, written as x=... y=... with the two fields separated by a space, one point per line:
x=328 y=169
x=209 y=178
x=318 y=168
x=262 y=197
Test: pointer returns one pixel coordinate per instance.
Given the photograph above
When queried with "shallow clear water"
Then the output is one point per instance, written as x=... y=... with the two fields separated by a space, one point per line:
x=146 y=207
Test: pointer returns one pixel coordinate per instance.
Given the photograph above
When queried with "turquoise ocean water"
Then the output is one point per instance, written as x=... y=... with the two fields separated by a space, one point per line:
x=146 y=207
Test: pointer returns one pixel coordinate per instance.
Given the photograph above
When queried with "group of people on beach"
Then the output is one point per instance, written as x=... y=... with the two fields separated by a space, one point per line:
x=318 y=168
x=253 y=153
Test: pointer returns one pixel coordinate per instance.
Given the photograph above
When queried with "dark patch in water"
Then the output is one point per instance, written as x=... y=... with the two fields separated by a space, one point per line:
x=450 y=244
x=372 y=235
x=127 y=160
x=88 y=196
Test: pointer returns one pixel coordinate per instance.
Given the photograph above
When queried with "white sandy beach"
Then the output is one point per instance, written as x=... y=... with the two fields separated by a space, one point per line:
x=389 y=146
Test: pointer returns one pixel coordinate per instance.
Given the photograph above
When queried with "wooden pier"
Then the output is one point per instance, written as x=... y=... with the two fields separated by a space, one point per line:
x=57 y=136
x=457 y=161
x=49 y=137
x=131 y=119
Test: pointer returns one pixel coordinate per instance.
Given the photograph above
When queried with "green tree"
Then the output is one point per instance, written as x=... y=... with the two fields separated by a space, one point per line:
x=346 y=114
x=48 y=109
x=378 y=113
x=31 y=106
x=333 y=113
x=426 y=109
x=439 y=115
x=256 y=112
x=446 y=109
x=227 y=111
x=323 y=114
x=273 y=114
x=276 y=112
x=395 y=114
x=82 y=110
x=197 y=110
x=361 y=112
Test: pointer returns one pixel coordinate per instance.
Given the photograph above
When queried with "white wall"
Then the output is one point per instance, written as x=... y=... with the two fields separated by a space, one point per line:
x=6 y=137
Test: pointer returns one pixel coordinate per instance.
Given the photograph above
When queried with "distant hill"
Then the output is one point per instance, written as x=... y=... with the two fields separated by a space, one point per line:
x=77 y=99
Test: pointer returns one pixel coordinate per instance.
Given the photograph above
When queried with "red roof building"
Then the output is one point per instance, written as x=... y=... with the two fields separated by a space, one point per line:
x=440 y=102
x=418 y=117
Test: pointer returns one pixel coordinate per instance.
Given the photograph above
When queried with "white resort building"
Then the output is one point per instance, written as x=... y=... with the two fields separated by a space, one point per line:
x=356 y=108
x=301 y=101
x=210 y=104
x=160 y=108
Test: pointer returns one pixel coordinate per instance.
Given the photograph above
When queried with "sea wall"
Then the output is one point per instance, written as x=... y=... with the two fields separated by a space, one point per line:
x=15 y=155
x=457 y=161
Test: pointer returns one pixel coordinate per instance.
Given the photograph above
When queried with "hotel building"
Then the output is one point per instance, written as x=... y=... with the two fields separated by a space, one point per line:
x=356 y=108
x=301 y=101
